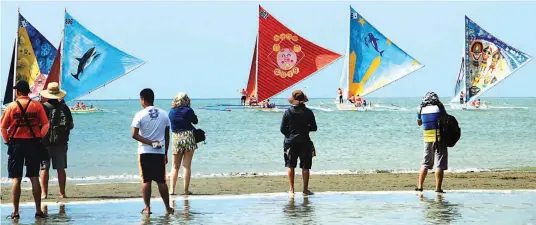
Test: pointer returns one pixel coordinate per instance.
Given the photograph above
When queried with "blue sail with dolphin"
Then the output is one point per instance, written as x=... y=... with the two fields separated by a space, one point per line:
x=374 y=60
x=90 y=62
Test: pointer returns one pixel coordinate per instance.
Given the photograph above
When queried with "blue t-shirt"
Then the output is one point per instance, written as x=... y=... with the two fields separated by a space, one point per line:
x=429 y=116
x=182 y=119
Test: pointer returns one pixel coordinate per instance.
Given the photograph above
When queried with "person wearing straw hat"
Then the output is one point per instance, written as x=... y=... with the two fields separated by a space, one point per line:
x=297 y=122
x=61 y=123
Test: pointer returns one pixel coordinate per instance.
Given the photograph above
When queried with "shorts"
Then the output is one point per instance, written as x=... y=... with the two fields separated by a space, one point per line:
x=58 y=155
x=303 y=151
x=24 y=152
x=243 y=98
x=152 y=168
x=441 y=155
x=183 y=141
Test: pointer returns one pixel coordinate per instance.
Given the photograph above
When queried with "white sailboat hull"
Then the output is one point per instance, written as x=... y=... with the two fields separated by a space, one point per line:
x=352 y=107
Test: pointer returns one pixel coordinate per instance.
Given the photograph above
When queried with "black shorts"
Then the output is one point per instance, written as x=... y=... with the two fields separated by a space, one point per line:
x=23 y=152
x=152 y=168
x=243 y=98
x=303 y=151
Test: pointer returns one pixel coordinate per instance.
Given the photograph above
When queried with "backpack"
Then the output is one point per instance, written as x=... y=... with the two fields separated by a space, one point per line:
x=58 y=132
x=448 y=127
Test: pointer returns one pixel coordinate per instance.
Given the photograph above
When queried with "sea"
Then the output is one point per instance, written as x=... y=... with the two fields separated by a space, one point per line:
x=457 y=207
x=247 y=142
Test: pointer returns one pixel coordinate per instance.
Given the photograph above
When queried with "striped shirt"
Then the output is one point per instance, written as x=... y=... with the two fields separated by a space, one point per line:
x=429 y=116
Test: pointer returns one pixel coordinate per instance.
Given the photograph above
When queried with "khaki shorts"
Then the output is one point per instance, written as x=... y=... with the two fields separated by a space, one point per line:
x=58 y=155
x=440 y=152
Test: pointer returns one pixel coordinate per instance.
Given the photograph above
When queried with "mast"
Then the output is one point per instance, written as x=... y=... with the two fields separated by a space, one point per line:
x=16 y=53
x=257 y=59
x=61 y=48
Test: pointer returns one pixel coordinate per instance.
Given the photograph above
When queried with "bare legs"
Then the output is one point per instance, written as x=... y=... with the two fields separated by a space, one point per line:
x=439 y=173
x=62 y=178
x=15 y=194
x=305 y=177
x=146 y=192
x=422 y=176
x=290 y=173
x=186 y=160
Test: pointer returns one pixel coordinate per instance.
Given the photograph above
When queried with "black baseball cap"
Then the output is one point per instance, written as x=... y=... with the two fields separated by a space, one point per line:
x=22 y=86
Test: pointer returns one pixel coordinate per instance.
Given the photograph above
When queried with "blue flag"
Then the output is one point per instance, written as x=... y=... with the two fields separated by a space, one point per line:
x=89 y=62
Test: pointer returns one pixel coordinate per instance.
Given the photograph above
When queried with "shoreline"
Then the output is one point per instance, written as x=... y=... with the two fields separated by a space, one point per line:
x=496 y=180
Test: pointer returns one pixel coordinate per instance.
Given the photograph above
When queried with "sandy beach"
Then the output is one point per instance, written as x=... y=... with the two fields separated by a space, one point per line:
x=272 y=184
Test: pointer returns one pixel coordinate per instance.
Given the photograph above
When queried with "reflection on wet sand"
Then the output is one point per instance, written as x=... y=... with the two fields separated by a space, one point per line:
x=438 y=210
x=304 y=210
x=60 y=217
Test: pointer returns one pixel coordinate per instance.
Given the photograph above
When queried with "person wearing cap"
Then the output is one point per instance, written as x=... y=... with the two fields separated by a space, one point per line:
x=61 y=123
x=24 y=123
x=297 y=122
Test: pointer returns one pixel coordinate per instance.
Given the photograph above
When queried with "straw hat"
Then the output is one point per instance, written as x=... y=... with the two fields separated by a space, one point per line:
x=298 y=97
x=53 y=91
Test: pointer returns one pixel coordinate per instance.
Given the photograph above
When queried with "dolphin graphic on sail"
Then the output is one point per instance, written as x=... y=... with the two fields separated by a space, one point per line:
x=374 y=42
x=83 y=62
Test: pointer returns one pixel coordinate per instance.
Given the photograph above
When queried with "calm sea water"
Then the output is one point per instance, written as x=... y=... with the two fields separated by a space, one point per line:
x=349 y=208
x=249 y=141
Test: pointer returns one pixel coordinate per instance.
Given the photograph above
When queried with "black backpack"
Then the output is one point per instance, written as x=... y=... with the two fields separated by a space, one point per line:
x=58 y=132
x=448 y=127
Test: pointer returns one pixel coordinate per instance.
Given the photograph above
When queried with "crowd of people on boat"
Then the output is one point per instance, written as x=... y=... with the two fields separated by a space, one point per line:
x=475 y=103
x=356 y=100
x=82 y=106
x=253 y=101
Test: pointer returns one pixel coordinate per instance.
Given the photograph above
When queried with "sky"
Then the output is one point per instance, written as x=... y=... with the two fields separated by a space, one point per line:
x=205 y=48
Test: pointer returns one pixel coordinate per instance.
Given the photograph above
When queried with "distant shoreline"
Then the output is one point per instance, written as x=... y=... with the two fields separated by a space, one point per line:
x=505 y=180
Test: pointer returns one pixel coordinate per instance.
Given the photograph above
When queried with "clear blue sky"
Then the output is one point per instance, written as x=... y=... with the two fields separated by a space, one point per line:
x=205 y=48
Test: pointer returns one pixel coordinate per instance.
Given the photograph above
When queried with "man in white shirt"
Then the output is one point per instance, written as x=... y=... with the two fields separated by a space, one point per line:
x=150 y=128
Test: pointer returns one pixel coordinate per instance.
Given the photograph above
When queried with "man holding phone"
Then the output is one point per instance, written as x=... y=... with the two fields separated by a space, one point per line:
x=150 y=128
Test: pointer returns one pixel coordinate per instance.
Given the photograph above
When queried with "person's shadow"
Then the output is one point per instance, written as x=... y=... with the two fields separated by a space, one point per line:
x=439 y=210
x=302 y=213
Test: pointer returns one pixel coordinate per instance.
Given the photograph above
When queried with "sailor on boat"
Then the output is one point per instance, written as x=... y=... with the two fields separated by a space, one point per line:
x=339 y=92
x=477 y=104
x=461 y=98
x=365 y=102
x=358 y=101
x=252 y=100
x=243 y=99
x=351 y=99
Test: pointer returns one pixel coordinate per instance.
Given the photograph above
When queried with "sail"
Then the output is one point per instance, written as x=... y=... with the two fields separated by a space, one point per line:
x=459 y=89
x=34 y=58
x=89 y=62
x=488 y=60
x=284 y=57
x=375 y=60
x=252 y=80
x=54 y=74
x=8 y=96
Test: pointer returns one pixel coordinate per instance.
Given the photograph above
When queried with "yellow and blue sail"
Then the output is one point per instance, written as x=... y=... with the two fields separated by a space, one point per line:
x=374 y=60
x=35 y=55
x=90 y=62
x=488 y=60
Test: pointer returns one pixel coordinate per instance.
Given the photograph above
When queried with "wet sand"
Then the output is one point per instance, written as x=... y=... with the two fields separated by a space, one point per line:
x=272 y=184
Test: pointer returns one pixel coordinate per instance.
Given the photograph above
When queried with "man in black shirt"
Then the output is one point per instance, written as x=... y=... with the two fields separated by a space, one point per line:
x=297 y=122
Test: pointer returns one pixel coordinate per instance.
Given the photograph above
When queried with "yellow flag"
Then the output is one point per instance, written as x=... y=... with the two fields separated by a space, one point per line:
x=27 y=66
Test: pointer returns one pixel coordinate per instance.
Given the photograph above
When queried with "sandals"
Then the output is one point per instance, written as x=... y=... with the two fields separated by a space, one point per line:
x=40 y=215
x=143 y=211
x=440 y=191
x=13 y=216
x=419 y=189
x=188 y=193
x=308 y=192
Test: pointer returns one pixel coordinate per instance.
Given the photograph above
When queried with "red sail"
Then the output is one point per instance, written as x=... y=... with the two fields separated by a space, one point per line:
x=54 y=74
x=285 y=58
x=252 y=81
